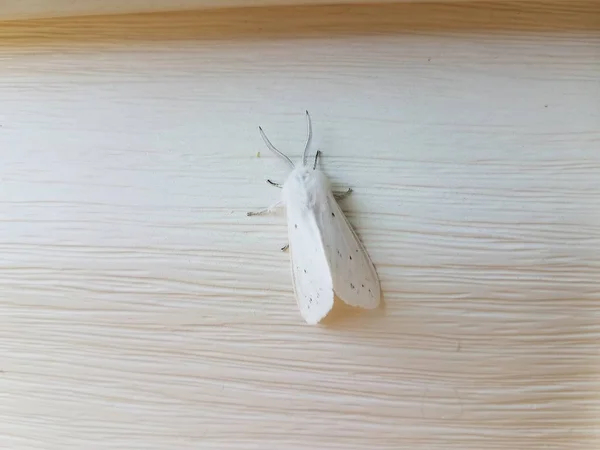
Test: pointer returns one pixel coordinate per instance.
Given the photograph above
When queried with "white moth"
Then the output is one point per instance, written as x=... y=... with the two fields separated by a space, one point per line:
x=327 y=256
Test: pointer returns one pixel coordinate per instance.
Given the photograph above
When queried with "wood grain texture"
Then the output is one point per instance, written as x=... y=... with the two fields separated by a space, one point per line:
x=36 y=9
x=304 y=22
x=141 y=309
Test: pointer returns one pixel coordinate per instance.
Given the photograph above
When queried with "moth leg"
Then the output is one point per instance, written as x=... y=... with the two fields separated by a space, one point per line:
x=262 y=212
x=316 y=159
x=342 y=195
x=272 y=183
x=285 y=247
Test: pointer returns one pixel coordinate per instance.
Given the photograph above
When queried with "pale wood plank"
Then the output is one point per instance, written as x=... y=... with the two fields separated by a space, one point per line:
x=141 y=308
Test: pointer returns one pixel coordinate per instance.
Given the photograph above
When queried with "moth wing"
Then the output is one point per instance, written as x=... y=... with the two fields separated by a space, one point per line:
x=354 y=276
x=313 y=285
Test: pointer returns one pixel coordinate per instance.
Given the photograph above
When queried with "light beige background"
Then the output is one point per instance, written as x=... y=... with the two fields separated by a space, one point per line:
x=141 y=309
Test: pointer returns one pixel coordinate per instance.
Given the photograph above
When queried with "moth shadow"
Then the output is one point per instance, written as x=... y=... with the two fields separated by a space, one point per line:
x=343 y=314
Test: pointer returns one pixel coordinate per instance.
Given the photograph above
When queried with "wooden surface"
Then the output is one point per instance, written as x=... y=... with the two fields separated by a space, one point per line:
x=141 y=309
x=35 y=9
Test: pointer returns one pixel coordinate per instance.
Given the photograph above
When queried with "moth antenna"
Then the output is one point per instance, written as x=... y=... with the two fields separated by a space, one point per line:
x=308 y=138
x=273 y=148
